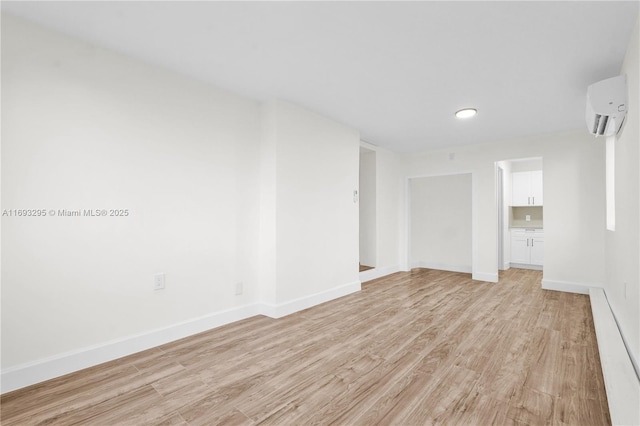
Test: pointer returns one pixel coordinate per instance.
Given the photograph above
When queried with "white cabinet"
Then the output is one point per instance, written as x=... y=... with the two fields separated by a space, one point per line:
x=537 y=249
x=526 y=188
x=536 y=188
x=520 y=249
x=527 y=246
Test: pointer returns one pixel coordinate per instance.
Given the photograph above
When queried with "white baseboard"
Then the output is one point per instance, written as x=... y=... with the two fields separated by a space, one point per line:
x=526 y=266
x=491 y=277
x=478 y=276
x=442 y=266
x=372 y=274
x=620 y=379
x=632 y=355
x=287 y=308
x=45 y=369
x=567 y=286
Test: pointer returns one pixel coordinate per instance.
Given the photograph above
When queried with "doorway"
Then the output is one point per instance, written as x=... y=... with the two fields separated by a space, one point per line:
x=440 y=222
x=501 y=214
x=520 y=228
x=368 y=216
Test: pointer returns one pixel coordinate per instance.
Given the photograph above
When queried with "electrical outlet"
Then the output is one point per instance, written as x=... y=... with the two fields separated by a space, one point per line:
x=158 y=281
x=238 y=289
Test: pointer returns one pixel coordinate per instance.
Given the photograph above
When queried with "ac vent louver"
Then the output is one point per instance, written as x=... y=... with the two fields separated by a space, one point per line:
x=600 y=124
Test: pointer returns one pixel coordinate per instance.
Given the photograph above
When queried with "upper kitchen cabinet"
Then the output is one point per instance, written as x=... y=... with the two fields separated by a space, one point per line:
x=526 y=188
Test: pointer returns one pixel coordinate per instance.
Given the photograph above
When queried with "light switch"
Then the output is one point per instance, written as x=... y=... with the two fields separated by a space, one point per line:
x=158 y=281
x=528 y=218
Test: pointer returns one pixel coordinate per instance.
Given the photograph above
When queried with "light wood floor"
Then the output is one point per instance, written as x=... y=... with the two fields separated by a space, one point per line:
x=425 y=347
x=365 y=268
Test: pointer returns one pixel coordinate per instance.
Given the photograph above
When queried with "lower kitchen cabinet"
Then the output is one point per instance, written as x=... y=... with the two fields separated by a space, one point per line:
x=527 y=247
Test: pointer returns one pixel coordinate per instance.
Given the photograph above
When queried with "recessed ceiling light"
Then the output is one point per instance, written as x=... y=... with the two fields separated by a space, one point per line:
x=466 y=113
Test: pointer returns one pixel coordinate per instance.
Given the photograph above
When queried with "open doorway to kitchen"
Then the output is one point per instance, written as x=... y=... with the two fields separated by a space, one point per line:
x=520 y=201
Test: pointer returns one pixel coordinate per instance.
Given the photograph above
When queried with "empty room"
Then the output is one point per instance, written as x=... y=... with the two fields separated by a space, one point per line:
x=322 y=212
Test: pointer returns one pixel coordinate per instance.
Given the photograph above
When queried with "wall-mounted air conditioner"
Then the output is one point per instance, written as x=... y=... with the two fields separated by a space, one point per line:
x=607 y=106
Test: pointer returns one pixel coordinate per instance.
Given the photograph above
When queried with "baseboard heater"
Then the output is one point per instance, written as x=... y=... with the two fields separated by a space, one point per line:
x=620 y=378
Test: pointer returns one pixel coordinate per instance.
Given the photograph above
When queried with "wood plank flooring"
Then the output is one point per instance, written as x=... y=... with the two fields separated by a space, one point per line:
x=365 y=268
x=414 y=348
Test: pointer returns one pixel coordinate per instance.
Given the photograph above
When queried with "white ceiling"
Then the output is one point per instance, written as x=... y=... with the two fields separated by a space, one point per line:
x=397 y=71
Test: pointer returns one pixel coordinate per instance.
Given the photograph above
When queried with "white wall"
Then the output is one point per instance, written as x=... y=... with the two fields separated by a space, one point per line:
x=389 y=186
x=441 y=222
x=84 y=128
x=623 y=245
x=267 y=238
x=367 y=183
x=316 y=216
x=220 y=190
x=573 y=165
x=526 y=165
